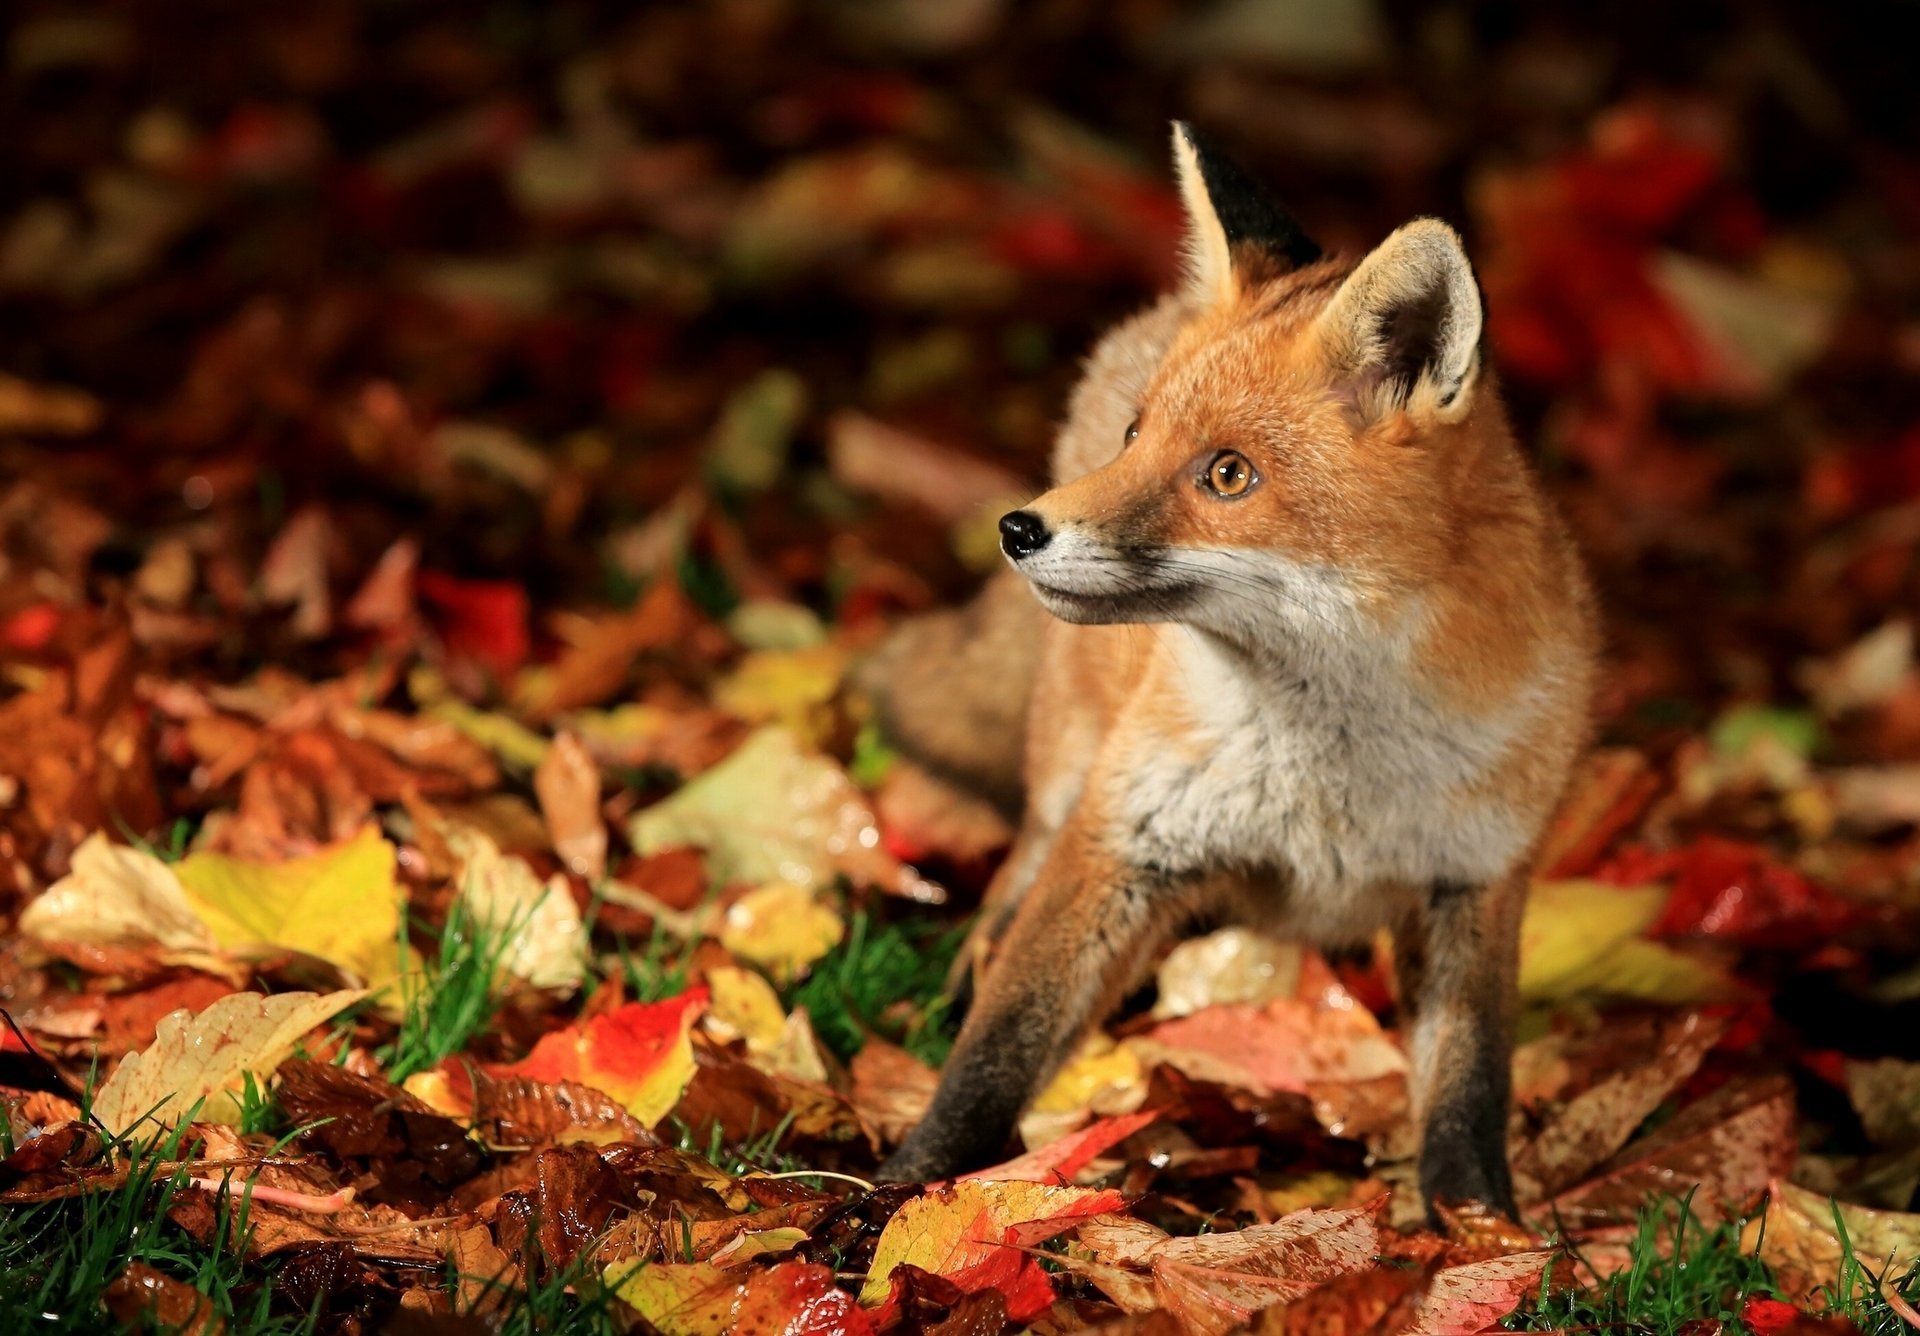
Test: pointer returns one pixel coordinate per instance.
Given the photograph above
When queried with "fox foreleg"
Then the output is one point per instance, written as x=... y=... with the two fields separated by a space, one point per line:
x=1457 y=964
x=1075 y=943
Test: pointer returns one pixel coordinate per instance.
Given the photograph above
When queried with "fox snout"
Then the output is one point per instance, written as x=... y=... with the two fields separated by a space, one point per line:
x=1023 y=533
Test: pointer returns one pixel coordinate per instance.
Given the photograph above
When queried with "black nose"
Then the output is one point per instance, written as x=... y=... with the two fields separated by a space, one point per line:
x=1022 y=534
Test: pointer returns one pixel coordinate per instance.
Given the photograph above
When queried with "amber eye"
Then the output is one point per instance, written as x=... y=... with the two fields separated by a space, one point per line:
x=1133 y=431
x=1229 y=473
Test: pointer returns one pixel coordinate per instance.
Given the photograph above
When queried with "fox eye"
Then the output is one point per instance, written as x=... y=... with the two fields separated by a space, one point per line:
x=1229 y=473
x=1133 y=431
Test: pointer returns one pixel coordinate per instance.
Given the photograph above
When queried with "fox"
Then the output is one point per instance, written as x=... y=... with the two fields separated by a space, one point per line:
x=1296 y=639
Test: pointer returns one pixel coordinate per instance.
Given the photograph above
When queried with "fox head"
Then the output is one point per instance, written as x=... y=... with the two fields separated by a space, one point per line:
x=1298 y=456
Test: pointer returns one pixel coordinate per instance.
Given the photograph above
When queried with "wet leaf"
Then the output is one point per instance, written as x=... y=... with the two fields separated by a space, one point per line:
x=639 y=1053
x=771 y=812
x=204 y=1057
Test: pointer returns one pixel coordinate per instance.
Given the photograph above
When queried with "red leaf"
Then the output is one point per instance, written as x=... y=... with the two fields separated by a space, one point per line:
x=1059 y=1161
x=481 y=619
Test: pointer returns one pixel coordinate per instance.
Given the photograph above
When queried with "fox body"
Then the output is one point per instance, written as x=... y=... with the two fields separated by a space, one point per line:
x=1294 y=640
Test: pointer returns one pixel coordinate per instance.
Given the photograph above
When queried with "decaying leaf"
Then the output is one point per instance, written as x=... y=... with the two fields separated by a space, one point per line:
x=568 y=783
x=204 y=1057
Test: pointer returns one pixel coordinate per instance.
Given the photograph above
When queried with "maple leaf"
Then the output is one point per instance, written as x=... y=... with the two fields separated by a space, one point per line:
x=117 y=895
x=964 y=1232
x=771 y=812
x=204 y=1057
x=640 y=1053
x=340 y=904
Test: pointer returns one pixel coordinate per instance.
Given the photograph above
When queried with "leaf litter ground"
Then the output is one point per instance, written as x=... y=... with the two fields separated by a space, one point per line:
x=449 y=469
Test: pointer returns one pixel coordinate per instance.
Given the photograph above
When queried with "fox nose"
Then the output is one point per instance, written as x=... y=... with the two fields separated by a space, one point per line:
x=1022 y=534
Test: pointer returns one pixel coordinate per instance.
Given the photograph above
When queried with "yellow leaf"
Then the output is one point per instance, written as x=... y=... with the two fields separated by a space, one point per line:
x=514 y=743
x=678 y=1298
x=772 y=812
x=744 y=1006
x=1100 y=1074
x=116 y=895
x=547 y=944
x=782 y=928
x=205 y=1057
x=1583 y=937
x=759 y=1243
x=791 y=686
x=340 y=904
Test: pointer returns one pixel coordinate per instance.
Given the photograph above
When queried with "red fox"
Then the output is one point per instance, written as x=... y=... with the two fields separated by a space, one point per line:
x=1309 y=649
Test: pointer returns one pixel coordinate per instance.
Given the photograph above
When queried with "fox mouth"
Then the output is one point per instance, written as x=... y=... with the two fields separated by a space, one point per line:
x=1146 y=603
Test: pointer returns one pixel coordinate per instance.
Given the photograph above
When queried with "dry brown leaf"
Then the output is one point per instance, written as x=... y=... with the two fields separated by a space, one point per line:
x=568 y=784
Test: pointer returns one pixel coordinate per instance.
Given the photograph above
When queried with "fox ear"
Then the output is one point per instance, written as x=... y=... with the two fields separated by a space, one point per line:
x=1404 y=330
x=1229 y=220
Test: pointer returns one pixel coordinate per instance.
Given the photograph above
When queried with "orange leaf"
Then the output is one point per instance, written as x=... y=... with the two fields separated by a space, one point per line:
x=639 y=1053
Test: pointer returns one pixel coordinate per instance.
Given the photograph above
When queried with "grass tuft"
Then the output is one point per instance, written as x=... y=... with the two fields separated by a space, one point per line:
x=1680 y=1272
x=1871 y=1299
x=457 y=999
x=58 y=1258
x=886 y=981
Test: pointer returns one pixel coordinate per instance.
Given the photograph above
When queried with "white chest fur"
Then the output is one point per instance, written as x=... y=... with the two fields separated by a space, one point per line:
x=1329 y=769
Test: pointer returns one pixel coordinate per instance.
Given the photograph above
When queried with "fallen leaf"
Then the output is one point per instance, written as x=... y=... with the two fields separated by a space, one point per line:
x=891 y=1089
x=1216 y=1282
x=772 y=812
x=745 y=1007
x=1580 y=1134
x=640 y=1053
x=204 y=1057
x=1472 y=1297
x=1059 y=1161
x=568 y=784
x=546 y=942
x=1886 y=1095
x=1583 y=938
x=119 y=895
x=1728 y=1146
x=1232 y=965
x=957 y=1229
x=1798 y=1238
x=340 y=904
x=792 y=687
x=781 y=927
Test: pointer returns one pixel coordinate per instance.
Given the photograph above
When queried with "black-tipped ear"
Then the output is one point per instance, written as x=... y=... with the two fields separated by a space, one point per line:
x=1404 y=329
x=1227 y=211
